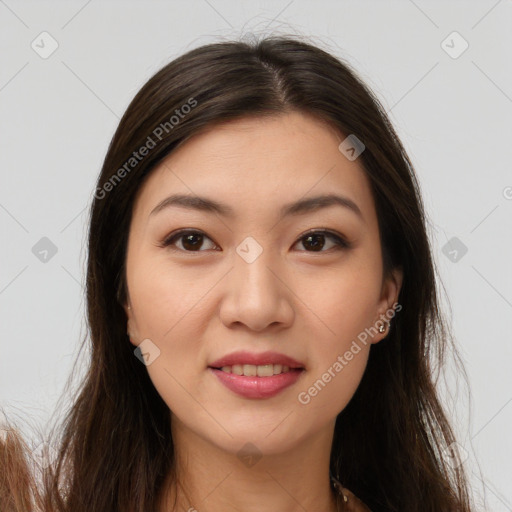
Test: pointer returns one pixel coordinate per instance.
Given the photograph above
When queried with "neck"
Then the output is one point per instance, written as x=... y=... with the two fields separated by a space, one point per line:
x=207 y=478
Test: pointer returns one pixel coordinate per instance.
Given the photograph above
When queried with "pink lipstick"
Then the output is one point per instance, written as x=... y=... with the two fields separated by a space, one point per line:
x=253 y=375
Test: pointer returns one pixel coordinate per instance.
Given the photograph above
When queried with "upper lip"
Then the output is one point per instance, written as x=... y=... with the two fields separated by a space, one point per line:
x=257 y=359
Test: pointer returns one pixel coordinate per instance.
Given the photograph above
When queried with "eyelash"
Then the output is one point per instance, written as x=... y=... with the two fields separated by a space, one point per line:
x=340 y=242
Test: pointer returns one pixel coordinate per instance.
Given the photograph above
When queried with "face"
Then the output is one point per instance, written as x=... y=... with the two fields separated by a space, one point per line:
x=253 y=277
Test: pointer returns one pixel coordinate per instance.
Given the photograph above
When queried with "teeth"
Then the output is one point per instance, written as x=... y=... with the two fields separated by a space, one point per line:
x=237 y=369
x=251 y=370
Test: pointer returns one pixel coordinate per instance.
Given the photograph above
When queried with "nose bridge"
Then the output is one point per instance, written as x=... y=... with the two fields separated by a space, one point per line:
x=252 y=270
x=256 y=296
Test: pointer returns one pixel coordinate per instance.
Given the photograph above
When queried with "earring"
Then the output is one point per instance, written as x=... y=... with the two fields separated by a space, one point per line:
x=382 y=328
x=337 y=485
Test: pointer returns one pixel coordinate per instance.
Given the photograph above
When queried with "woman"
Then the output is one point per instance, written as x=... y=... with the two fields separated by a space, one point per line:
x=262 y=303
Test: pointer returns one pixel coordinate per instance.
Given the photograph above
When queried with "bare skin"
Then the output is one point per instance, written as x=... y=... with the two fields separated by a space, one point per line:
x=199 y=301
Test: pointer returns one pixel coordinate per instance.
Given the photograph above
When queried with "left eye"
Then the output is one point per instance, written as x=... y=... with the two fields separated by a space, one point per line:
x=312 y=238
x=192 y=240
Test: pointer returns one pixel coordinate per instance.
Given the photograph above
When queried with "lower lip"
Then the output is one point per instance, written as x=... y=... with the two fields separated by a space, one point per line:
x=257 y=387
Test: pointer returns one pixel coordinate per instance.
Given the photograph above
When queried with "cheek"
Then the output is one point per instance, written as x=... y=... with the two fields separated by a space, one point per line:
x=163 y=298
x=342 y=307
x=331 y=389
x=169 y=312
x=338 y=363
x=344 y=303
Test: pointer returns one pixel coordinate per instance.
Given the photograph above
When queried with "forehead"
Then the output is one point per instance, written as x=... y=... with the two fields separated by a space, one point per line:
x=257 y=164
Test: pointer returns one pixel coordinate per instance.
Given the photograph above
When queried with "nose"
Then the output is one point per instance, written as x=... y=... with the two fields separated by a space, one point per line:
x=257 y=295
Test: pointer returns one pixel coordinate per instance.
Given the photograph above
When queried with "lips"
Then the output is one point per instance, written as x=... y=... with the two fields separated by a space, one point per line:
x=257 y=387
x=263 y=358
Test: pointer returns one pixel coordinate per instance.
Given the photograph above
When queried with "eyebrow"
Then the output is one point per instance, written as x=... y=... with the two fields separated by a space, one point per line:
x=300 y=207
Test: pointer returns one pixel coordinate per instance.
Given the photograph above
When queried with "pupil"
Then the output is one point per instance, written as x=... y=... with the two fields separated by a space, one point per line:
x=316 y=245
x=188 y=239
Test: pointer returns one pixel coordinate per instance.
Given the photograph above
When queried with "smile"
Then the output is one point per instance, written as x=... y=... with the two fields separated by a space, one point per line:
x=251 y=370
x=254 y=385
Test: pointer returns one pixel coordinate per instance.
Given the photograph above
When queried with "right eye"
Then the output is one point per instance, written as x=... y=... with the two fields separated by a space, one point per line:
x=190 y=240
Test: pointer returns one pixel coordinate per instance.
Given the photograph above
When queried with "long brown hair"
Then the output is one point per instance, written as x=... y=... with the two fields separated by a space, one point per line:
x=115 y=452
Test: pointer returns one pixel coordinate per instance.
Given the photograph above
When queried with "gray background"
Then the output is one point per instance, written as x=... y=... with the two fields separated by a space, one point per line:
x=58 y=114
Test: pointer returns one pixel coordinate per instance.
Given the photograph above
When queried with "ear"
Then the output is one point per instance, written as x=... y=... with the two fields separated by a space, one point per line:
x=130 y=324
x=388 y=302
